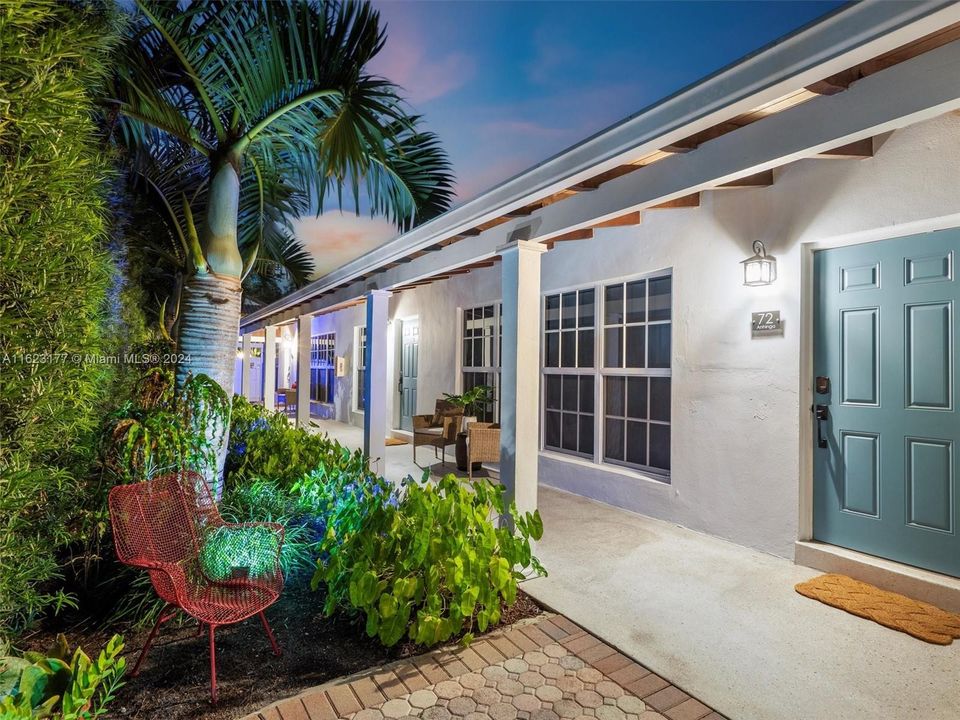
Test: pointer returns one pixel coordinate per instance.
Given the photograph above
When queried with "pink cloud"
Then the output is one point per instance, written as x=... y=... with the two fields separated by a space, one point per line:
x=336 y=238
x=404 y=61
x=495 y=172
x=521 y=128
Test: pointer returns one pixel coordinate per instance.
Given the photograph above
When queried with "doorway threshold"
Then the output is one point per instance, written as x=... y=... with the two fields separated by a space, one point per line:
x=932 y=587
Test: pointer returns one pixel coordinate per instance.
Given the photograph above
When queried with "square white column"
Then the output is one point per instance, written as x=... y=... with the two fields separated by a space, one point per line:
x=520 y=372
x=375 y=380
x=246 y=345
x=304 y=332
x=270 y=367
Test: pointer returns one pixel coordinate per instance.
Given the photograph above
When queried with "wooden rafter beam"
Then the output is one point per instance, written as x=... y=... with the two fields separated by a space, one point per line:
x=859 y=150
x=633 y=218
x=760 y=179
x=583 y=234
x=687 y=201
x=597 y=180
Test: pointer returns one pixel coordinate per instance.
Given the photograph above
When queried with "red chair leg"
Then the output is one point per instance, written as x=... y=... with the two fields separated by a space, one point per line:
x=213 y=665
x=161 y=619
x=273 y=640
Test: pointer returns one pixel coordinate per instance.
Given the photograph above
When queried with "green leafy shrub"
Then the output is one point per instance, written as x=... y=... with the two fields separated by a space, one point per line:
x=60 y=685
x=155 y=432
x=264 y=445
x=249 y=550
x=325 y=484
x=430 y=565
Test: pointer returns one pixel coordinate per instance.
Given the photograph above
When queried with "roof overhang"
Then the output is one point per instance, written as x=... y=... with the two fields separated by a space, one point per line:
x=924 y=86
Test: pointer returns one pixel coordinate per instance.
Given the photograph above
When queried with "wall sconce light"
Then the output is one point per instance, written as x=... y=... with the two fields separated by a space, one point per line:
x=239 y=354
x=761 y=269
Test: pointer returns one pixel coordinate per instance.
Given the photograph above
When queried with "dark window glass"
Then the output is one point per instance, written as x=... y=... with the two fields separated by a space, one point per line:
x=552 y=319
x=635 y=346
x=636 y=301
x=552 y=391
x=570 y=431
x=636 y=443
x=478 y=350
x=660 y=446
x=586 y=393
x=660 y=299
x=614 y=391
x=570 y=393
x=585 y=349
x=552 y=350
x=613 y=305
x=586 y=308
x=468 y=353
x=552 y=429
x=659 y=351
x=660 y=399
x=568 y=348
x=613 y=439
x=568 y=310
x=586 y=434
x=613 y=347
x=637 y=397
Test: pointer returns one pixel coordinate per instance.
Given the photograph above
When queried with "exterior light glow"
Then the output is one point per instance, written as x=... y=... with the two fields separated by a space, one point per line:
x=761 y=269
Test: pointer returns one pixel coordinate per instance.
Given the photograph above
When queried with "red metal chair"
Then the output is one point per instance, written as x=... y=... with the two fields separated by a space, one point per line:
x=160 y=526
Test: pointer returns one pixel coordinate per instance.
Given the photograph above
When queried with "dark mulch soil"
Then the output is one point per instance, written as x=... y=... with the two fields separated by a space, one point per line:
x=174 y=681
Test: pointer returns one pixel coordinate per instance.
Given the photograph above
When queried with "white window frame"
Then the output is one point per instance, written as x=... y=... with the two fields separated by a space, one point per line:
x=600 y=374
x=494 y=369
x=359 y=363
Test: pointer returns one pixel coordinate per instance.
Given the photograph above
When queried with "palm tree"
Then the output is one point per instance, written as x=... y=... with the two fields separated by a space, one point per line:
x=168 y=187
x=262 y=94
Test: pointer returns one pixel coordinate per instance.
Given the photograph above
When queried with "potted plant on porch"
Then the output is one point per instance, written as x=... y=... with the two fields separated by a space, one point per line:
x=471 y=401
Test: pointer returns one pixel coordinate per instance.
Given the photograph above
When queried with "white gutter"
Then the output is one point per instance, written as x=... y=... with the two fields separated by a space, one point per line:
x=841 y=40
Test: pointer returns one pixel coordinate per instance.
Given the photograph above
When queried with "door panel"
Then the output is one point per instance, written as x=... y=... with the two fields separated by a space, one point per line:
x=409 y=362
x=884 y=332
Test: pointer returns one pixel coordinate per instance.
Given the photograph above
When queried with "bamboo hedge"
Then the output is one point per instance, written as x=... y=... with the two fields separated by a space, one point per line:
x=59 y=289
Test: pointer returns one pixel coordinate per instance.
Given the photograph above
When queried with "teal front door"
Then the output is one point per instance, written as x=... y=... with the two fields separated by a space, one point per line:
x=886 y=425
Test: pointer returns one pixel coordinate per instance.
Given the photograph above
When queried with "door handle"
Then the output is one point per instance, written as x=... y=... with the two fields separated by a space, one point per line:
x=822 y=414
x=400 y=384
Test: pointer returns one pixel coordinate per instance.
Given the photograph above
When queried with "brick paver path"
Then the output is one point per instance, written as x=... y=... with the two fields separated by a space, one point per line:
x=549 y=669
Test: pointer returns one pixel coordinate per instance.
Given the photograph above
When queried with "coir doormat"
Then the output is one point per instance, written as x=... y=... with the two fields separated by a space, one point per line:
x=921 y=620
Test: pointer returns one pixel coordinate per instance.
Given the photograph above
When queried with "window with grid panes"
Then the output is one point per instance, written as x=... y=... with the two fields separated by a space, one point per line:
x=322 y=368
x=481 y=356
x=569 y=348
x=360 y=372
x=636 y=373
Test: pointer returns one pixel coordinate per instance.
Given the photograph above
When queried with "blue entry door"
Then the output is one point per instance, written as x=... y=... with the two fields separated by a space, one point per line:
x=885 y=462
x=409 y=370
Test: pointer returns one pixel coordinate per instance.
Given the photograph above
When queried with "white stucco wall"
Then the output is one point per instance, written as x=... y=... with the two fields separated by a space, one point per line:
x=736 y=401
x=736 y=405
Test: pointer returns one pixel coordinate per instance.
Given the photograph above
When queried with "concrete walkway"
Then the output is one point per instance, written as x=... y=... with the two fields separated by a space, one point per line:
x=721 y=621
x=724 y=623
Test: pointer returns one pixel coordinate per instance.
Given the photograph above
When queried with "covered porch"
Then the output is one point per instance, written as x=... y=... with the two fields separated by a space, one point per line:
x=720 y=621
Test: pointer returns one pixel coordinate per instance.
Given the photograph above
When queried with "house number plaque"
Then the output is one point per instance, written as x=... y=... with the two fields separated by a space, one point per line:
x=766 y=324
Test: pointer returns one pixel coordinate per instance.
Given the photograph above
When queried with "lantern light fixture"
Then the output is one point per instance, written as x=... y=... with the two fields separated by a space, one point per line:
x=761 y=269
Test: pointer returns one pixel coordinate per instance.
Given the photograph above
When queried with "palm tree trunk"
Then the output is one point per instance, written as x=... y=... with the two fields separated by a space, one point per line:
x=209 y=317
x=209 y=323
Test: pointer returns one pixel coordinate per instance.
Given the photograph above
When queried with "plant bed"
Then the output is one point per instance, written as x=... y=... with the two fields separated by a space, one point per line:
x=174 y=682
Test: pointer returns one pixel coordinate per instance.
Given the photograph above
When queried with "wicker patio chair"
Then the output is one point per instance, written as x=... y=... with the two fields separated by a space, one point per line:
x=161 y=525
x=483 y=444
x=438 y=430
